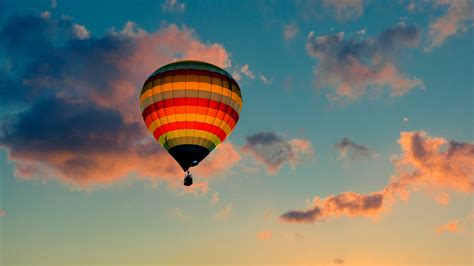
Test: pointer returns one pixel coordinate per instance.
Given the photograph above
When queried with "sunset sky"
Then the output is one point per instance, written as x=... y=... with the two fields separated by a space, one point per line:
x=354 y=144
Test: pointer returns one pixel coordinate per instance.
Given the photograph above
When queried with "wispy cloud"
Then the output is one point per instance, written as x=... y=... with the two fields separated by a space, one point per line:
x=265 y=79
x=173 y=6
x=351 y=67
x=273 y=151
x=425 y=162
x=79 y=122
x=458 y=17
x=452 y=226
x=243 y=71
x=349 y=149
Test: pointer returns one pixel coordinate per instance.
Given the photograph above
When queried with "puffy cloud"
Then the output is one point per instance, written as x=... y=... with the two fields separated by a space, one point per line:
x=425 y=162
x=81 y=32
x=346 y=9
x=290 y=31
x=348 y=148
x=78 y=118
x=173 y=6
x=273 y=151
x=450 y=227
x=264 y=235
x=224 y=213
x=457 y=18
x=350 y=67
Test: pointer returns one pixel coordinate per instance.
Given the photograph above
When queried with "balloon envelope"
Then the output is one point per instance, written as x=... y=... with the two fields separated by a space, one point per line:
x=190 y=107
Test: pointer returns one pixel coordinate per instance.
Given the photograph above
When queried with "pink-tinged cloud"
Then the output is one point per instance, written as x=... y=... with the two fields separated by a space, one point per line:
x=349 y=68
x=425 y=162
x=273 y=151
x=451 y=227
x=458 y=18
x=264 y=235
x=2 y=213
x=442 y=198
x=224 y=157
x=81 y=123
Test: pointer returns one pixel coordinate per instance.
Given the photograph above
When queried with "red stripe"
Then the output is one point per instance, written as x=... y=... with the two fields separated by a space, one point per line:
x=190 y=102
x=186 y=125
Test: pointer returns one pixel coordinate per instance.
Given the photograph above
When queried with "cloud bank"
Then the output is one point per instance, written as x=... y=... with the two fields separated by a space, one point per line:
x=72 y=101
x=425 y=162
x=352 y=67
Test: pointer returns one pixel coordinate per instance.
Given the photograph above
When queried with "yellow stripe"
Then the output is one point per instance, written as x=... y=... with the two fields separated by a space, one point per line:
x=187 y=133
x=192 y=86
x=186 y=117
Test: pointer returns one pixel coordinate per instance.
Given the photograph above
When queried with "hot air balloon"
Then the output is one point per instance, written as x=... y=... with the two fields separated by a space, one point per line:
x=190 y=107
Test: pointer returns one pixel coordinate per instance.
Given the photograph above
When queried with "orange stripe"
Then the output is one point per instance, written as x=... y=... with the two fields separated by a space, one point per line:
x=190 y=110
x=187 y=125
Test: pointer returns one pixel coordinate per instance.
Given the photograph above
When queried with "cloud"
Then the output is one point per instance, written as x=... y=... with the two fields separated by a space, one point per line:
x=348 y=148
x=425 y=162
x=264 y=235
x=78 y=119
x=215 y=198
x=346 y=9
x=173 y=6
x=243 y=71
x=178 y=213
x=450 y=227
x=338 y=261
x=54 y=4
x=405 y=119
x=2 y=213
x=265 y=80
x=273 y=151
x=224 y=213
x=81 y=32
x=457 y=18
x=350 y=67
x=442 y=198
x=290 y=31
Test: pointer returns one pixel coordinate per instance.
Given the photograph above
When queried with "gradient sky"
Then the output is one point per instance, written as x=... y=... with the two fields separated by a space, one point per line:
x=354 y=145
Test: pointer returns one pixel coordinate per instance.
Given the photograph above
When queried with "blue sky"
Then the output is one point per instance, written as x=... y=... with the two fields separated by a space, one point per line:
x=392 y=79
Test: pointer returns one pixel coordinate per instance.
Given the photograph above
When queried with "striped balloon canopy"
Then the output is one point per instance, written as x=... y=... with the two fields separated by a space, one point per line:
x=190 y=107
